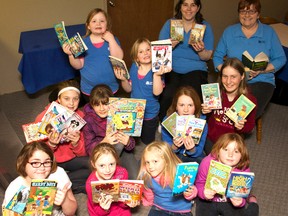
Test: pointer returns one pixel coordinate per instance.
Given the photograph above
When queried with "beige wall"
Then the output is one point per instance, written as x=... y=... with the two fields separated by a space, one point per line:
x=17 y=16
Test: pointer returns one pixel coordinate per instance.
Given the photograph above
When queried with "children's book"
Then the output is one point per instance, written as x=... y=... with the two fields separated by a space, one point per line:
x=7 y=212
x=211 y=95
x=184 y=177
x=31 y=132
x=78 y=47
x=194 y=128
x=218 y=177
x=105 y=187
x=119 y=63
x=181 y=123
x=177 y=29
x=197 y=33
x=41 y=197
x=240 y=109
x=61 y=33
x=18 y=203
x=126 y=115
x=161 y=54
x=131 y=191
x=170 y=124
x=260 y=61
x=240 y=184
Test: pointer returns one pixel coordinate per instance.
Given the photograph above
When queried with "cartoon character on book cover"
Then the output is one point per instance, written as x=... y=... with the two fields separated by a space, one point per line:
x=18 y=202
x=131 y=191
x=240 y=184
x=105 y=188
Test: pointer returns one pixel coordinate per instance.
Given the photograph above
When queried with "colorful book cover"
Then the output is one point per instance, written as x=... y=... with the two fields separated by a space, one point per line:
x=61 y=33
x=184 y=177
x=211 y=95
x=181 y=123
x=18 y=203
x=7 y=212
x=170 y=124
x=31 y=132
x=240 y=109
x=218 y=177
x=78 y=47
x=177 y=29
x=41 y=197
x=105 y=187
x=194 y=128
x=197 y=33
x=161 y=54
x=119 y=63
x=240 y=184
x=131 y=191
x=126 y=115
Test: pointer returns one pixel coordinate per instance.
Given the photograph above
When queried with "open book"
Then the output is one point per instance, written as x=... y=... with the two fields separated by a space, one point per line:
x=260 y=61
x=119 y=63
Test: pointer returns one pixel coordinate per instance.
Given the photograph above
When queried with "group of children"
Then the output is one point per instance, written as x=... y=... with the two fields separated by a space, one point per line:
x=71 y=150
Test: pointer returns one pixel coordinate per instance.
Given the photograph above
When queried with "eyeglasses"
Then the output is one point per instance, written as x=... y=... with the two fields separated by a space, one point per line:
x=39 y=164
x=244 y=12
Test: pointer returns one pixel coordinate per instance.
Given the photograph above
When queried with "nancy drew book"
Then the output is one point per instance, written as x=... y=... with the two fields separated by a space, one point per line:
x=131 y=191
x=240 y=109
x=176 y=29
x=161 y=54
x=240 y=184
x=119 y=63
x=31 y=132
x=184 y=177
x=170 y=124
x=197 y=33
x=211 y=95
x=18 y=202
x=41 y=197
x=218 y=177
x=260 y=61
x=126 y=115
x=107 y=187
x=61 y=33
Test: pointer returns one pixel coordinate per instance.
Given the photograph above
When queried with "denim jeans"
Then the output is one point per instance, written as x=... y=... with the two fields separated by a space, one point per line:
x=154 y=211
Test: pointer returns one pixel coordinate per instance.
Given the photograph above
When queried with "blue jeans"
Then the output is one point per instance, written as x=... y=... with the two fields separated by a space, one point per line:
x=154 y=211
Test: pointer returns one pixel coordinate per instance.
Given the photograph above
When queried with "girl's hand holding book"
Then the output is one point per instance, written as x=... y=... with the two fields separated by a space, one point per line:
x=105 y=201
x=205 y=109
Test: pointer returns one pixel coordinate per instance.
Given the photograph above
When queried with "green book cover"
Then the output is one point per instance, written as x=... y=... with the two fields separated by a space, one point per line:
x=170 y=124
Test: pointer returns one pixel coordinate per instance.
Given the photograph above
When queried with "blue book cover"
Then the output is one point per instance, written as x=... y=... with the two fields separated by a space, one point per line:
x=18 y=202
x=184 y=177
x=240 y=184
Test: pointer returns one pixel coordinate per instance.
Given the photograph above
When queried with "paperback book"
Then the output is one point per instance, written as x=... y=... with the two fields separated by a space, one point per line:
x=119 y=64
x=170 y=124
x=31 y=132
x=78 y=47
x=194 y=128
x=177 y=29
x=240 y=109
x=181 y=122
x=126 y=115
x=211 y=95
x=131 y=191
x=260 y=61
x=197 y=33
x=18 y=203
x=218 y=177
x=161 y=54
x=185 y=176
x=105 y=187
x=61 y=33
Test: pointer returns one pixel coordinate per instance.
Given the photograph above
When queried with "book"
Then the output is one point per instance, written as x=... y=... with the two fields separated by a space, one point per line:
x=240 y=184
x=211 y=95
x=78 y=47
x=197 y=33
x=161 y=51
x=170 y=124
x=260 y=61
x=126 y=115
x=106 y=187
x=177 y=29
x=18 y=202
x=184 y=177
x=240 y=109
x=119 y=63
x=7 y=212
x=218 y=177
x=31 y=132
x=131 y=191
x=194 y=128
x=41 y=197
x=181 y=124
x=61 y=33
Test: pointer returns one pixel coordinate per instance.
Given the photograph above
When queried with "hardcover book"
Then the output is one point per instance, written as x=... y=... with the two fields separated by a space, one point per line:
x=78 y=47
x=260 y=61
x=41 y=197
x=31 y=132
x=161 y=51
x=240 y=184
x=170 y=124
x=18 y=203
x=177 y=29
x=131 y=191
x=240 y=109
x=217 y=177
x=197 y=33
x=194 y=128
x=119 y=63
x=61 y=33
x=105 y=187
x=126 y=115
x=211 y=95
x=184 y=177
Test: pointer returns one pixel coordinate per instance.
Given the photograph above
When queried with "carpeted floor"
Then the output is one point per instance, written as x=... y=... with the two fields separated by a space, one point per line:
x=269 y=159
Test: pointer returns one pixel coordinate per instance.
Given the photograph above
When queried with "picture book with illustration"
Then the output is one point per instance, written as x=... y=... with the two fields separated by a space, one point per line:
x=194 y=127
x=197 y=33
x=218 y=177
x=185 y=176
x=105 y=187
x=170 y=124
x=176 y=29
x=211 y=95
x=31 y=132
x=240 y=109
x=119 y=63
x=126 y=115
x=181 y=123
x=41 y=197
x=260 y=61
x=161 y=51
x=18 y=202
x=78 y=47
x=61 y=33
x=131 y=191
x=240 y=184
